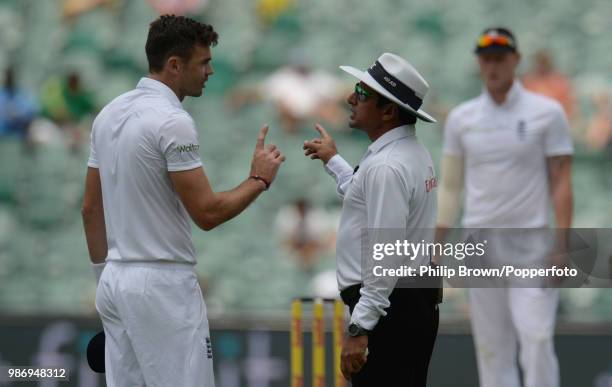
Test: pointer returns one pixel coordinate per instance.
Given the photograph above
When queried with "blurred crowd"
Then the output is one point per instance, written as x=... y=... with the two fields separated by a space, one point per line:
x=62 y=108
x=300 y=94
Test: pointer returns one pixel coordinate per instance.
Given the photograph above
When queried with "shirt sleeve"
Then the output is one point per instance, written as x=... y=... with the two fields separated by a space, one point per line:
x=93 y=158
x=388 y=195
x=452 y=135
x=178 y=141
x=558 y=140
x=341 y=171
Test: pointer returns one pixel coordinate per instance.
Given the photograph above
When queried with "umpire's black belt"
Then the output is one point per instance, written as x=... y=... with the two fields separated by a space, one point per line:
x=350 y=296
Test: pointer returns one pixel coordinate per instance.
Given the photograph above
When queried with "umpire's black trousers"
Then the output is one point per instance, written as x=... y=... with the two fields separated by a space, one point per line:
x=402 y=342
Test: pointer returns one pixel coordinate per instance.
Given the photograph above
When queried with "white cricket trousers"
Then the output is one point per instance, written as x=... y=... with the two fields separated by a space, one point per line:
x=156 y=328
x=510 y=320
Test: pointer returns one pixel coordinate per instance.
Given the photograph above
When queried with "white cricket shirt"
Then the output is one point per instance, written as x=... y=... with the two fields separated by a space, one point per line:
x=505 y=149
x=394 y=188
x=136 y=140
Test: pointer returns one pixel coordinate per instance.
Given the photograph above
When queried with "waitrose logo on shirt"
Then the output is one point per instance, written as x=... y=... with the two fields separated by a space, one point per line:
x=188 y=148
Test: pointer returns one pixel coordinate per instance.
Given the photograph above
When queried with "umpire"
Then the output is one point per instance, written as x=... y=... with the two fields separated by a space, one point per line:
x=393 y=187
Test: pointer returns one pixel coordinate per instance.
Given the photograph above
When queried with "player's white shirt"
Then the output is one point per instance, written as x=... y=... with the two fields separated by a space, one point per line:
x=136 y=140
x=394 y=188
x=505 y=149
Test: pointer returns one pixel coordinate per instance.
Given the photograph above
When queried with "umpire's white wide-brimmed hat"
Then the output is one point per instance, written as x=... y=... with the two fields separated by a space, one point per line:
x=396 y=79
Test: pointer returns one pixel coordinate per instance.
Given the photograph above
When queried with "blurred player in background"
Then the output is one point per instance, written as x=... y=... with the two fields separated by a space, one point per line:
x=388 y=190
x=144 y=180
x=511 y=150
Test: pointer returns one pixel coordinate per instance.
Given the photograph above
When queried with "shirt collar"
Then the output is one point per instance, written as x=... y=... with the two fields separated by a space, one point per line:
x=390 y=136
x=161 y=88
x=511 y=98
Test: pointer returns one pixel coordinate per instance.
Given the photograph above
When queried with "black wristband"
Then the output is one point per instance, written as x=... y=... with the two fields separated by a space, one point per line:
x=257 y=177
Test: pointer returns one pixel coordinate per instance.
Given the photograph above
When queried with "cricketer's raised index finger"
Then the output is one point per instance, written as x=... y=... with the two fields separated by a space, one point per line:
x=261 y=138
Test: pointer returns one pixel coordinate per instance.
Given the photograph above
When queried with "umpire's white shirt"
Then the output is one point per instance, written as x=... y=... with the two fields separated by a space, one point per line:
x=394 y=188
x=136 y=140
x=505 y=148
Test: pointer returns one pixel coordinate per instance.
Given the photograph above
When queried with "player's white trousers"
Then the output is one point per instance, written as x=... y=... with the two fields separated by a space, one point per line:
x=510 y=320
x=156 y=328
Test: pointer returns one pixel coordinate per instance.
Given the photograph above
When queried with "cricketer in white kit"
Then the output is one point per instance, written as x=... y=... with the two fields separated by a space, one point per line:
x=144 y=180
x=510 y=151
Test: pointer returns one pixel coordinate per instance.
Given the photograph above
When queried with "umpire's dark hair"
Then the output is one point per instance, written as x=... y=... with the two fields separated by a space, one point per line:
x=176 y=35
x=405 y=117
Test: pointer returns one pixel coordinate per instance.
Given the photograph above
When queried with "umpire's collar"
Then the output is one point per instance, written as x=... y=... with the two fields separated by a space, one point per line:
x=390 y=136
x=161 y=88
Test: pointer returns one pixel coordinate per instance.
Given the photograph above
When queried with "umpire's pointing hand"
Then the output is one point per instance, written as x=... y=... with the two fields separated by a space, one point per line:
x=266 y=159
x=323 y=148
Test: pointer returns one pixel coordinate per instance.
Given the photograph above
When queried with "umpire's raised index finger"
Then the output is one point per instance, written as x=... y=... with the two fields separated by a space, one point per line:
x=321 y=130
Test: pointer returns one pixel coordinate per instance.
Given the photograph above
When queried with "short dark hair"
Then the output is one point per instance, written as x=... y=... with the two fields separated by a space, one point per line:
x=176 y=35
x=405 y=117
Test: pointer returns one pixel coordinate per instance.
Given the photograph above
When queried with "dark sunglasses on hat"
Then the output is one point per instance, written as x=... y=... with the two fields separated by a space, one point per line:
x=496 y=40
